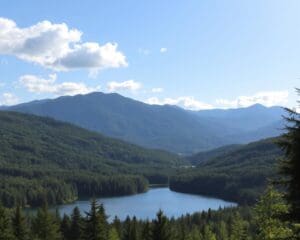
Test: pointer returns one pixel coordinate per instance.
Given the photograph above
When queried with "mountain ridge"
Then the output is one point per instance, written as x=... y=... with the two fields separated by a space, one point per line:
x=166 y=127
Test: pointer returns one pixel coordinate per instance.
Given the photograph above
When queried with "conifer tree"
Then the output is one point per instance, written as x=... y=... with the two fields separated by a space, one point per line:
x=96 y=223
x=76 y=226
x=161 y=229
x=146 y=232
x=45 y=225
x=290 y=166
x=267 y=216
x=117 y=225
x=113 y=234
x=6 y=232
x=238 y=228
x=222 y=231
x=208 y=234
x=65 y=227
x=19 y=225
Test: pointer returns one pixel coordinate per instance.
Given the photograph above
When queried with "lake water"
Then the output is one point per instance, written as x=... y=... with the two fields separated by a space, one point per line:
x=146 y=205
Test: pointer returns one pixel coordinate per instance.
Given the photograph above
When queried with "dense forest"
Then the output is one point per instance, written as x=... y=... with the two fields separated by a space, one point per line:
x=276 y=214
x=43 y=159
x=238 y=172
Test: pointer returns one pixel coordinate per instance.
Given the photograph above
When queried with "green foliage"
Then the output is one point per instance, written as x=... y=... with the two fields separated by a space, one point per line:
x=239 y=173
x=290 y=165
x=19 y=225
x=267 y=216
x=96 y=227
x=161 y=230
x=43 y=159
x=6 y=232
x=45 y=226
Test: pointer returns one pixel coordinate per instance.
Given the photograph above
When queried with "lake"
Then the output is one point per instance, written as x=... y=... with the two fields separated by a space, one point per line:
x=146 y=205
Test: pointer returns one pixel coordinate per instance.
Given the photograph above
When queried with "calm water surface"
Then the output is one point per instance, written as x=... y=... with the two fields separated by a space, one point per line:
x=146 y=205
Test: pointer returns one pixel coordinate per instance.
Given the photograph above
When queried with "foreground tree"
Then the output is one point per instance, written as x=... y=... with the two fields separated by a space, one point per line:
x=5 y=226
x=161 y=230
x=19 y=225
x=290 y=165
x=45 y=225
x=267 y=216
x=76 y=226
x=96 y=223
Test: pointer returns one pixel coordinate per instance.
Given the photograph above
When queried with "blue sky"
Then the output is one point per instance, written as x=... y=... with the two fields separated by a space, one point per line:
x=196 y=54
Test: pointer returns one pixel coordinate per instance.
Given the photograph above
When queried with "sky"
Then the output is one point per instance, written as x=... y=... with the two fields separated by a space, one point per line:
x=195 y=54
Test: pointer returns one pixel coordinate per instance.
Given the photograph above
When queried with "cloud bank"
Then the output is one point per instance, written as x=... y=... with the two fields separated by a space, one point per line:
x=8 y=99
x=268 y=99
x=37 y=84
x=57 y=47
x=186 y=102
x=126 y=85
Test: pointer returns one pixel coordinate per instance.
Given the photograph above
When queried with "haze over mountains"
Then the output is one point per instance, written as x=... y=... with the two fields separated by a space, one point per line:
x=164 y=127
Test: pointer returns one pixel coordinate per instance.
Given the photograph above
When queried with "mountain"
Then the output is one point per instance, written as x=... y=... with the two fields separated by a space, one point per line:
x=165 y=127
x=248 y=119
x=236 y=173
x=45 y=158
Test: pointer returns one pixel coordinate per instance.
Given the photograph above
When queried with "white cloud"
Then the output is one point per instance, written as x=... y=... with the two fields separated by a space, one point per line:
x=157 y=90
x=8 y=99
x=163 y=50
x=186 y=102
x=268 y=99
x=37 y=84
x=126 y=85
x=57 y=47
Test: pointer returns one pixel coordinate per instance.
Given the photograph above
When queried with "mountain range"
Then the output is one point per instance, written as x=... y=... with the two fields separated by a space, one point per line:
x=164 y=127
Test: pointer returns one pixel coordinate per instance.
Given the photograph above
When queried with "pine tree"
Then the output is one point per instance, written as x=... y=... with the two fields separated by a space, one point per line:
x=65 y=227
x=6 y=232
x=117 y=225
x=290 y=166
x=76 y=226
x=113 y=234
x=96 y=223
x=20 y=228
x=267 y=216
x=161 y=229
x=208 y=234
x=146 y=232
x=133 y=229
x=238 y=228
x=222 y=231
x=45 y=225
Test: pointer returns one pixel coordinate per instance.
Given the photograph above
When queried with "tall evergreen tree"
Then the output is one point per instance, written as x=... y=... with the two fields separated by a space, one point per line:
x=146 y=231
x=76 y=226
x=113 y=234
x=161 y=230
x=290 y=166
x=6 y=232
x=20 y=228
x=238 y=228
x=45 y=225
x=208 y=233
x=65 y=227
x=267 y=216
x=96 y=223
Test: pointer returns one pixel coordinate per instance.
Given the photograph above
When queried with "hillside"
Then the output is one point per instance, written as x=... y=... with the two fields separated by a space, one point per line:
x=238 y=173
x=44 y=158
x=165 y=127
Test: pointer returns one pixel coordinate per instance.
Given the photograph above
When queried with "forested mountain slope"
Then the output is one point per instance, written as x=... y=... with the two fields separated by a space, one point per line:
x=239 y=173
x=165 y=127
x=44 y=158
